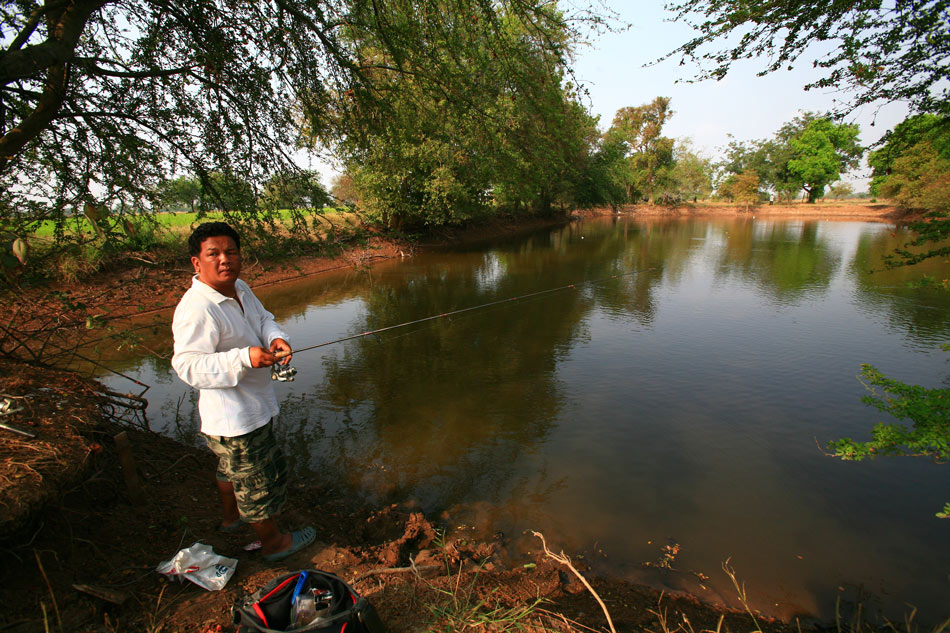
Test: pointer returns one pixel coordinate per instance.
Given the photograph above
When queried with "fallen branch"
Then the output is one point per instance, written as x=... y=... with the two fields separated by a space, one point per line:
x=565 y=560
x=393 y=570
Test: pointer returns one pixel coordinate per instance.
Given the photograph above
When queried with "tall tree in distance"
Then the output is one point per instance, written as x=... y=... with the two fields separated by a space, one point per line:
x=807 y=153
x=649 y=154
x=821 y=153
x=692 y=173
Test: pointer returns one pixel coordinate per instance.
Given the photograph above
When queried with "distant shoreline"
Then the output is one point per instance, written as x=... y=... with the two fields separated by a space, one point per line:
x=837 y=210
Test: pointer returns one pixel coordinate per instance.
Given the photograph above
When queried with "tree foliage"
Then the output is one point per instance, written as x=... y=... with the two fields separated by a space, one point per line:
x=691 y=177
x=807 y=153
x=821 y=153
x=742 y=188
x=890 y=51
x=927 y=409
x=520 y=141
x=294 y=190
x=100 y=99
x=905 y=135
x=649 y=155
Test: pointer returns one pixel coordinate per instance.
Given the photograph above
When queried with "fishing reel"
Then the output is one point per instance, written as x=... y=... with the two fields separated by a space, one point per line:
x=282 y=373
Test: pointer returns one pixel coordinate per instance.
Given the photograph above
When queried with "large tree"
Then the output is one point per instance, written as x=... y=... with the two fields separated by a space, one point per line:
x=928 y=131
x=102 y=98
x=518 y=144
x=649 y=153
x=878 y=51
x=821 y=153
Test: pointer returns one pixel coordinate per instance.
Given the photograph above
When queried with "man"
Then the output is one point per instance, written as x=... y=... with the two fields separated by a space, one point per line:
x=225 y=341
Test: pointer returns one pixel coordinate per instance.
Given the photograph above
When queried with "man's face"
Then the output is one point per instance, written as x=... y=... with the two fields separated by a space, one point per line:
x=219 y=263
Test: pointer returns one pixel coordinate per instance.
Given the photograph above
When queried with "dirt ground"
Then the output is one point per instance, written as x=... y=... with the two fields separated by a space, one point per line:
x=79 y=544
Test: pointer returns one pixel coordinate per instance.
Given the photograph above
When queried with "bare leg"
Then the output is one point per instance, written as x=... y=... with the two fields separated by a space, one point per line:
x=272 y=539
x=229 y=506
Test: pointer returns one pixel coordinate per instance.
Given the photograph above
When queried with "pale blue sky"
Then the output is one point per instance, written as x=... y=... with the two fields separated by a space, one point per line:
x=747 y=106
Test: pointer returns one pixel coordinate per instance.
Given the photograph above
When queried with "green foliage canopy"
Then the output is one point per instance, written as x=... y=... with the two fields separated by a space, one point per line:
x=100 y=99
x=515 y=139
x=649 y=154
x=927 y=409
x=821 y=153
x=807 y=153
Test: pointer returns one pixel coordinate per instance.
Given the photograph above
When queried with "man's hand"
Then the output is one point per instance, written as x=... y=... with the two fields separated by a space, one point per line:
x=260 y=357
x=280 y=345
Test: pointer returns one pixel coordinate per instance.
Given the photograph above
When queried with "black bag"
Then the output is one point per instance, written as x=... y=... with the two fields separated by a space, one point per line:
x=339 y=609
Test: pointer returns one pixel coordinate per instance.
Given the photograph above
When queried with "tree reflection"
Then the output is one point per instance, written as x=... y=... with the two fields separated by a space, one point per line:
x=788 y=261
x=445 y=408
x=923 y=313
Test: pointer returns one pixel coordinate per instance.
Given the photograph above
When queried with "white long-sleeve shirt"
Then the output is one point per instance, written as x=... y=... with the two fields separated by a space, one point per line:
x=213 y=337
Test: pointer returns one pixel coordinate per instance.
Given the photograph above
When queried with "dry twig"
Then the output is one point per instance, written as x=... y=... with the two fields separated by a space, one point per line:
x=565 y=560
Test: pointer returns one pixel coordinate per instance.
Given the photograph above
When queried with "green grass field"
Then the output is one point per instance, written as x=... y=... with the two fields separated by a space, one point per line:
x=177 y=222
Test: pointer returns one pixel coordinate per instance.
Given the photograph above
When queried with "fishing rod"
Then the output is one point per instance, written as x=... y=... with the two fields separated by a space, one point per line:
x=284 y=354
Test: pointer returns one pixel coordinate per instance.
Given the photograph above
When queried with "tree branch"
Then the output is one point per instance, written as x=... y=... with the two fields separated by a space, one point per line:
x=94 y=69
x=63 y=36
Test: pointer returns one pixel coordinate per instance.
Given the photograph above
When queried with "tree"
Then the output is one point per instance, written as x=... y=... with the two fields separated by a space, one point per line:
x=344 y=190
x=927 y=409
x=692 y=173
x=520 y=144
x=906 y=134
x=822 y=151
x=841 y=190
x=919 y=179
x=99 y=99
x=649 y=155
x=181 y=192
x=741 y=188
x=770 y=158
x=294 y=190
x=886 y=51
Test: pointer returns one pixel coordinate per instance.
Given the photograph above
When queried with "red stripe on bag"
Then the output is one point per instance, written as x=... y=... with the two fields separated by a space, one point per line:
x=279 y=587
x=260 y=614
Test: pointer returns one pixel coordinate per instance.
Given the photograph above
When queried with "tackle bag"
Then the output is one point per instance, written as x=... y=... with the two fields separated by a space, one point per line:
x=306 y=601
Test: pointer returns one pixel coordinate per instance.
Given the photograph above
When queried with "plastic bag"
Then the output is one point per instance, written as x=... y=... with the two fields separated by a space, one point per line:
x=200 y=565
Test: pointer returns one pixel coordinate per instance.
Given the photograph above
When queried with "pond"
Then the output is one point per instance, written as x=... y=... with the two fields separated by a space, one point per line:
x=676 y=398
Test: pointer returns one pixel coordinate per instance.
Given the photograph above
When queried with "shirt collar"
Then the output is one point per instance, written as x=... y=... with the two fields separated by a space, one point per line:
x=213 y=294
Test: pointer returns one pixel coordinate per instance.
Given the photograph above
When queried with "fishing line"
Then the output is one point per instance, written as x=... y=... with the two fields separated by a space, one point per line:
x=433 y=317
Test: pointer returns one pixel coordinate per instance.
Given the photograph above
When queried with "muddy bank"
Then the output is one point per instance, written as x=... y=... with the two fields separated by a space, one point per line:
x=843 y=210
x=85 y=545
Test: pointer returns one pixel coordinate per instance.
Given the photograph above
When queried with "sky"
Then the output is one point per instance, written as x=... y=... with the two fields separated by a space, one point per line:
x=613 y=71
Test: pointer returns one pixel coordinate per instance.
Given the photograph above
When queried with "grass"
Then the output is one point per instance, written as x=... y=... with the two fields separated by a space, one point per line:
x=469 y=605
x=83 y=248
x=80 y=224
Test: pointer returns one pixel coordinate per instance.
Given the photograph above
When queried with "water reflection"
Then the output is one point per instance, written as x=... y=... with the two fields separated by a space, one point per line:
x=679 y=393
x=923 y=314
x=787 y=261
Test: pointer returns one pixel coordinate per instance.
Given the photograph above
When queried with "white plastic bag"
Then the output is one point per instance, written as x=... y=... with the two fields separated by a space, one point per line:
x=200 y=565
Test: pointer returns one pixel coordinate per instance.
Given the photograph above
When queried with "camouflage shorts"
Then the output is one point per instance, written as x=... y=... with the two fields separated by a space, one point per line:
x=255 y=466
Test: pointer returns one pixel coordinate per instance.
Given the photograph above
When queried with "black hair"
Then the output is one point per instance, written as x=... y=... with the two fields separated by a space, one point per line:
x=210 y=229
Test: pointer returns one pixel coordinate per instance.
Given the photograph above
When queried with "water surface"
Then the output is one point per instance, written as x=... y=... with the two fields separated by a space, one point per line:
x=680 y=393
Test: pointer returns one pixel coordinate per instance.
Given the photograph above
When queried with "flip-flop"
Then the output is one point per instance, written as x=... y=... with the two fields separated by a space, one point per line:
x=234 y=527
x=301 y=539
